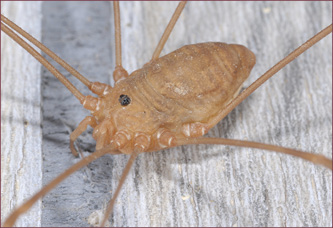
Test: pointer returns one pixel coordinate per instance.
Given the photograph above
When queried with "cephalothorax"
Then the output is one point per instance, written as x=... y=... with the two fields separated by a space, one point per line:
x=165 y=103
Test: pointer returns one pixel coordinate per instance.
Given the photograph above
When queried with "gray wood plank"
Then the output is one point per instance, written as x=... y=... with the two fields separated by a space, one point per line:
x=198 y=185
x=21 y=135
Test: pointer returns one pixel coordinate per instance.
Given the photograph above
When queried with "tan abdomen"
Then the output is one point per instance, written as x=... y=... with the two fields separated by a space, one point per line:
x=199 y=79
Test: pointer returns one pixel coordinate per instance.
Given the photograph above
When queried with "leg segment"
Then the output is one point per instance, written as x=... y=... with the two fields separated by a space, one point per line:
x=100 y=88
x=89 y=120
x=196 y=129
x=168 y=30
x=119 y=73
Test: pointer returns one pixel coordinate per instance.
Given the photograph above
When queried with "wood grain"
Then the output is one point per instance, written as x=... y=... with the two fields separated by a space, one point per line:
x=21 y=133
x=197 y=185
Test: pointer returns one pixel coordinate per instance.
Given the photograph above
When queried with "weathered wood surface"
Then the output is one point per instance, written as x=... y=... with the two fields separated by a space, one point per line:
x=21 y=134
x=197 y=185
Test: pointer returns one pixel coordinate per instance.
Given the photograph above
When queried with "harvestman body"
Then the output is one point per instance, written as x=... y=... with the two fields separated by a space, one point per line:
x=123 y=97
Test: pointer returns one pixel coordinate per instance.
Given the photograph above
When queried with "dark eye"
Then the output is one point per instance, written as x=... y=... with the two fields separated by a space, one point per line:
x=124 y=100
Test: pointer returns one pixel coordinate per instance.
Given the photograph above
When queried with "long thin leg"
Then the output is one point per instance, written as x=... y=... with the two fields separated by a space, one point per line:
x=119 y=72
x=314 y=158
x=121 y=182
x=45 y=63
x=46 y=51
x=28 y=204
x=96 y=87
x=117 y=32
x=168 y=30
x=316 y=38
x=89 y=120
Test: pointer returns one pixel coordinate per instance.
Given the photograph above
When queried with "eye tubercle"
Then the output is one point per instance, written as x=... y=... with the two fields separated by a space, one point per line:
x=124 y=100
